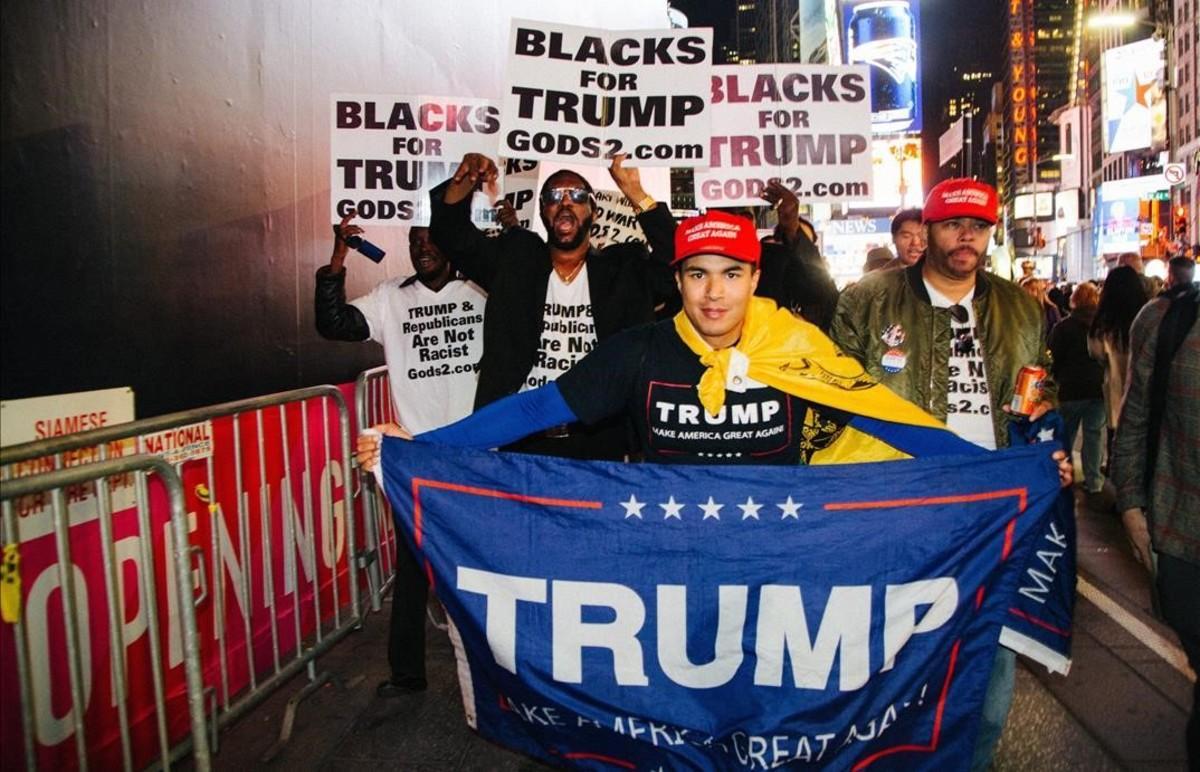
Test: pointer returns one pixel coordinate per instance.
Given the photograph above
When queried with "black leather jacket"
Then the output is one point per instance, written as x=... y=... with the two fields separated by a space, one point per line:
x=337 y=319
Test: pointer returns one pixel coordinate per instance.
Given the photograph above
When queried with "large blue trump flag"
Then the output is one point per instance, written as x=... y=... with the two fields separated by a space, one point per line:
x=625 y=616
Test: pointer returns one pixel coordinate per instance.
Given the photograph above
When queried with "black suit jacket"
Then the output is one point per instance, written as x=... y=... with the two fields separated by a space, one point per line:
x=625 y=281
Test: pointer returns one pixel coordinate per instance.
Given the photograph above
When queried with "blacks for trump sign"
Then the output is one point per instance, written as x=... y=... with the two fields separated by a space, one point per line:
x=643 y=616
x=388 y=151
x=577 y=94
x=808 y=125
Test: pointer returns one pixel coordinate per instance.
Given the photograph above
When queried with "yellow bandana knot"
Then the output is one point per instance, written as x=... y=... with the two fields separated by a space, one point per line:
x=795 y=357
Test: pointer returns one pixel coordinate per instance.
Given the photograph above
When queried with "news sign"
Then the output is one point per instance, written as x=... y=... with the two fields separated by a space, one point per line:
x=582 y=95
x=387 y=151
x=809 y=125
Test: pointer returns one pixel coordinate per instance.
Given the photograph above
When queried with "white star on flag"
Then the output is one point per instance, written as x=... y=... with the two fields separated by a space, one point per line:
x=711 y=509
x=790 y=509
x=750 y=509
x=671 y=509
x=1045 y=435
x=633 y=507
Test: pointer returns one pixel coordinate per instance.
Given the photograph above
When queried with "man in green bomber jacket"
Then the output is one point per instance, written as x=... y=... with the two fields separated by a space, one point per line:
x=945 y=334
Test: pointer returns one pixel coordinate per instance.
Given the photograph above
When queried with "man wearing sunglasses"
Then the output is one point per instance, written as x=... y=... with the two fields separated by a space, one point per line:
x=551 y=301
x=952 y=338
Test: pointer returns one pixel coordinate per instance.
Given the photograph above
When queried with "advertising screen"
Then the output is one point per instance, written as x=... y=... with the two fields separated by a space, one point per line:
x=1133 y=99
x=1119 y=213
x=884 y=34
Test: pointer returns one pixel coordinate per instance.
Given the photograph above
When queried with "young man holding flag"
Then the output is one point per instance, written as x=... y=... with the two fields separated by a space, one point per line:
x=732 y=379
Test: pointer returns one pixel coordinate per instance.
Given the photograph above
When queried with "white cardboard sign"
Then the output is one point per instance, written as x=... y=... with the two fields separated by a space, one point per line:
x=581 y=95
x=615 y=222
x=387 y=151
x=807 y=124
x=39 y=418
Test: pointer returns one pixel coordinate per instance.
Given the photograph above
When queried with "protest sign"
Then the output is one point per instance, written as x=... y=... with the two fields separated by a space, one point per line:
x=578 y=94
x=388 y=151
x=615 y=222
x=521 y=189
x=649 y=616
x=808 y=125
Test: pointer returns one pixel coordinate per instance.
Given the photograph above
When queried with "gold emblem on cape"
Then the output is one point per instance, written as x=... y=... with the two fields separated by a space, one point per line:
x=854 y=378
x=816 y=434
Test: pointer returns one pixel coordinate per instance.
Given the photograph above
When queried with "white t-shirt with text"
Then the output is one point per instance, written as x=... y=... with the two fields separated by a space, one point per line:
x=432 y=342
x=568 y=329
x=968 y=403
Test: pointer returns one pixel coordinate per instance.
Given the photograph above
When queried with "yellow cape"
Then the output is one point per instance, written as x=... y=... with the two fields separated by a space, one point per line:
x=795 y=357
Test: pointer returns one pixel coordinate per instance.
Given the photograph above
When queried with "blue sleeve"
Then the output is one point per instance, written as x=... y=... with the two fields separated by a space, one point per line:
x=506 y=420
x=916 y=441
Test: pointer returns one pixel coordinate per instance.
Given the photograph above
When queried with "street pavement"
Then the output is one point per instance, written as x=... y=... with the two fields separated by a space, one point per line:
x=1123 y=706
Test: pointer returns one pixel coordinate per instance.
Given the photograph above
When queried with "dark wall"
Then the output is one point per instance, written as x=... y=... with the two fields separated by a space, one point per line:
x=166 y=175
x=202 y=316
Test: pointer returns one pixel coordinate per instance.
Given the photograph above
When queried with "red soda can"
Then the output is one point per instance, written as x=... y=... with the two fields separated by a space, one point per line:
x=1028 y=392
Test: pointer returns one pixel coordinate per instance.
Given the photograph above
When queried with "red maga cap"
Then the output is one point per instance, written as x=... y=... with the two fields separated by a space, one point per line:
x=961 y=197
x=717 y=233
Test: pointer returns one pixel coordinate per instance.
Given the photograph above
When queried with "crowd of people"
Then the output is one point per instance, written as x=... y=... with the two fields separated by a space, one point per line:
x=553 y=346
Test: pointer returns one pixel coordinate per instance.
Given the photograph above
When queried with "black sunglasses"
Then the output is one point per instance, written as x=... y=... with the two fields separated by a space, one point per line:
x=557 y=195
x=959 y=313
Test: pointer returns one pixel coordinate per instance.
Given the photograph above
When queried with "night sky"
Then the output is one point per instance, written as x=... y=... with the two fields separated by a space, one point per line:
x=968 y=33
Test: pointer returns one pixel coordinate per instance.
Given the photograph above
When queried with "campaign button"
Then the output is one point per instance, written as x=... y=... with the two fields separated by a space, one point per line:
x=894 y=360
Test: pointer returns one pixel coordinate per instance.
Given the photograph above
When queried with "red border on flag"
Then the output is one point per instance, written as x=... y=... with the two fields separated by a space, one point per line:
x=1022 y=496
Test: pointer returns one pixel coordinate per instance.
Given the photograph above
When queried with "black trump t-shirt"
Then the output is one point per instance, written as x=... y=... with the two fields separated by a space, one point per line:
x=649 y=373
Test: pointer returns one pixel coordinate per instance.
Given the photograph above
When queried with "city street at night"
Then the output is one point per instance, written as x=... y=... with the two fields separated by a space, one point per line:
x=626 y=385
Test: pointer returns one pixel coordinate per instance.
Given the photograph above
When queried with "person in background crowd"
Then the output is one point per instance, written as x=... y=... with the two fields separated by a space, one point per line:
x=1155 y=459
x=794 y=274
x=1028 y=268
x=1060 y=296
x=1121 y=297
x=1180 y=271
x=945 y=334
x=1080 y=383
x=908 y=237
x=550 y=302
x=1036 y=288
x=1134 y=260
x=424 y=397
x=877 y=259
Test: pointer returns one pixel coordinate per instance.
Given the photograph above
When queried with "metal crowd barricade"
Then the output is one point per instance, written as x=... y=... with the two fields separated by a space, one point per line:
x=98 y=473
x=287 y=657
x=373 y=405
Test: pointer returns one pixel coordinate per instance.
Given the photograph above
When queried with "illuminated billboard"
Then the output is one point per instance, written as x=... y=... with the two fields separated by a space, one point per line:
x=895 y=166
x=884 y=35
x=1119 y=212
x=1022 y=95
x=1133 y=99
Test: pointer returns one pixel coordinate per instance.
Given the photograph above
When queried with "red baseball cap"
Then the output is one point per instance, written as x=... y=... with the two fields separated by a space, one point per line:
x=717 y=233
x=961 y=197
